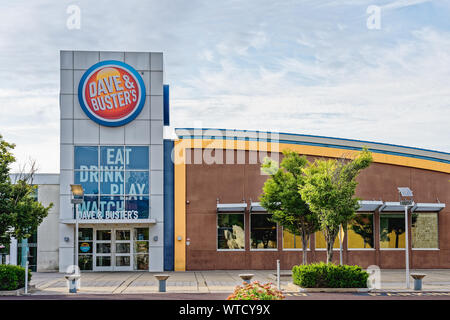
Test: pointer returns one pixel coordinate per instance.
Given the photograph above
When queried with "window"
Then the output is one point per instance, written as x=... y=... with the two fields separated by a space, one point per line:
x=263 y=232
x=115 y=180
x=85 y=241
x=230 y=231
x=141 y=249
x=392 y=230
x=291 y=241
x=321 y=244
x=360 y=232
x=424 y=231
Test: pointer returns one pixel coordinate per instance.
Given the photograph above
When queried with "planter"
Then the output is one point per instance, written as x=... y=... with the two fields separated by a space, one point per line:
x=297 y=288
x=17 y=292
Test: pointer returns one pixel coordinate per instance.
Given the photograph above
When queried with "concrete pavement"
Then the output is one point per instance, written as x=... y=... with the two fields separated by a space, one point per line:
x=217 y=281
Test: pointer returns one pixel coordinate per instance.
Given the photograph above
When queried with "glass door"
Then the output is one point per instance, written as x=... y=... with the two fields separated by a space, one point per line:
x=103 y=250
x=122 y=250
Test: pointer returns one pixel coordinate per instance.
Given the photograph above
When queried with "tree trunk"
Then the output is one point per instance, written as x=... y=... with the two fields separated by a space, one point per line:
x=305 y=240
x=329 y=251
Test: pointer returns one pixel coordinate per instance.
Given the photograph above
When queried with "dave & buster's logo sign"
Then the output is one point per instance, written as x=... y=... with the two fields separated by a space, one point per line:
x=111 y=93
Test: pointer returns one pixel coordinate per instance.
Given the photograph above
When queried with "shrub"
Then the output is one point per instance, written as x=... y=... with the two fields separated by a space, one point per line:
x=12 y=277
x=323 y=275
x=256 y=291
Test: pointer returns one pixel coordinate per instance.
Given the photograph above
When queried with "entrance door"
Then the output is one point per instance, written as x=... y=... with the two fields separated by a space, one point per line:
x=113 y=250
x=122 y=250
x=103 y=250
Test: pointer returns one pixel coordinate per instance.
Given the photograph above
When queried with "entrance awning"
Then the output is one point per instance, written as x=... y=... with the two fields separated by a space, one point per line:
x=392 y=207
x=231 y=207
x=428 y=207
x=95 y=221
x=369 y=206
x=256 y=207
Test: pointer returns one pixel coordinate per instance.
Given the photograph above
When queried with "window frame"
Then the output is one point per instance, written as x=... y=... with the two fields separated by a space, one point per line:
x=373 y=234
x=250 y=233
x=217 y=233
x=438 y=234
x=379 y=229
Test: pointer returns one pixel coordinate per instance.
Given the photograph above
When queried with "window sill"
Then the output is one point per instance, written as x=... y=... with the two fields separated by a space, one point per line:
x=392 y=249
x=425 y=249
x=292 y=249
x=230 y=250
x=361 y=249
x=271 y=249
x=321 y=249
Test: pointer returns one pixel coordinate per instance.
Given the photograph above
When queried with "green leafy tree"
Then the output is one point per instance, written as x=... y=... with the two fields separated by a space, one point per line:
x=329 y=190
x=280 y=197
x=20 y=214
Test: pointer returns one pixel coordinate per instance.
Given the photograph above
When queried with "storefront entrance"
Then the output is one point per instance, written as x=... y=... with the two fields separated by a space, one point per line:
x=113 y=249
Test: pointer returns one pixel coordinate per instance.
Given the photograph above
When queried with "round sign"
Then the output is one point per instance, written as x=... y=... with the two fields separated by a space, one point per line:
x=111 y=93
x=85 y=247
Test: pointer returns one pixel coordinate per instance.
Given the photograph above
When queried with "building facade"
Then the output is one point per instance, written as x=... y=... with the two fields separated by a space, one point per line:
x=154 y=204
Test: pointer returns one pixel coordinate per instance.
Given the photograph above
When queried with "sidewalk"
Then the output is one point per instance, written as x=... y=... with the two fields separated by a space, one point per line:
x=207 y=281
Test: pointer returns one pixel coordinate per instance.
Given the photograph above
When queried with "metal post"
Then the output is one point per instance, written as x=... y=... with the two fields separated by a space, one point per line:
x=278 y=274
x=76 y=235
x=407 y=248
x=26 y=277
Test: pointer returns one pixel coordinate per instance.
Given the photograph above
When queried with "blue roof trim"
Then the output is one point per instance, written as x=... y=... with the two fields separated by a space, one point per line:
x=319 y=145
x=166 y=116
x=313 y=136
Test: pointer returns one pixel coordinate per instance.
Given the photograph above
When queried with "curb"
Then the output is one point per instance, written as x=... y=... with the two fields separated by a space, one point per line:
x=17 y=292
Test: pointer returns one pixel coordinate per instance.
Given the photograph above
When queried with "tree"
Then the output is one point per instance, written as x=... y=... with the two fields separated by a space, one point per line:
x=280 y=197
x=329 y=190
x=20 y=214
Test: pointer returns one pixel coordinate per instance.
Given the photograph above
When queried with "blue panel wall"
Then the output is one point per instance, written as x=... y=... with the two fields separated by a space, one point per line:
x=166 y=105
x=169 y=222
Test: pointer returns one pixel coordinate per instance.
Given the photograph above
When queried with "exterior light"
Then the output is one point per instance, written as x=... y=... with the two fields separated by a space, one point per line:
x=77 y=190
x=78 y=198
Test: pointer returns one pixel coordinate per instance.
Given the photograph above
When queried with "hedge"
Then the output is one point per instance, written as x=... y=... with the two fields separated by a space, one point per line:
x=12 y=277
x=323 y=275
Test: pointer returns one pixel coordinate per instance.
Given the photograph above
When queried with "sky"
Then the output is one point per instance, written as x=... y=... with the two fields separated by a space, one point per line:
x=357 y=69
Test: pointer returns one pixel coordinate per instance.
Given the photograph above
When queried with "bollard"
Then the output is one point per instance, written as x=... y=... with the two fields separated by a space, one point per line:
x=162 y=281
x=418 y=280
x=278 y=274
x=246 y=277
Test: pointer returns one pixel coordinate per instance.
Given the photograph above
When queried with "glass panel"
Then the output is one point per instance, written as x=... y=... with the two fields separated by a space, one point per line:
x=141 y=262
x=263 y=232
x=141 y=234
x=85 y=234
x=112 y=207
x=360 y=232
x=291 y=241
x=85 y=262
x=89 y=208
x=85 y=157
x=88 y=180
x=111 y=182
x=139 y=205
x=103 y=234
x=392 y=230
x=424 y=230
x=103 y=247
x=322 y=244
x=123 y=248
x=230 y=231
x=85 y=247
x=137 y=158
x=123 y=235
x=141 y=246
x=112 y=158
x=137 y=182
x=123 y=261
x=103 y=261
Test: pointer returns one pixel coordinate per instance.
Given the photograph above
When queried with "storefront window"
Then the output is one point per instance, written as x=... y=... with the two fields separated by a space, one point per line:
x=115 y=180
x=141 y=248
x=360 y=232
x=230 y=231
x=85 y=248
x=322 y=244
x=263 y=232
x=392 y=230
x=424 y=231
x=291 y=241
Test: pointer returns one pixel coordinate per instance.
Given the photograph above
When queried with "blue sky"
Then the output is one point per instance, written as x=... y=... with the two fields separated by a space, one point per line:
x=309 y=67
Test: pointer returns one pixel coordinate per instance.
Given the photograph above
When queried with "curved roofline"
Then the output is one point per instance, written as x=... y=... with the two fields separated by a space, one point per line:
x=324 y=137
